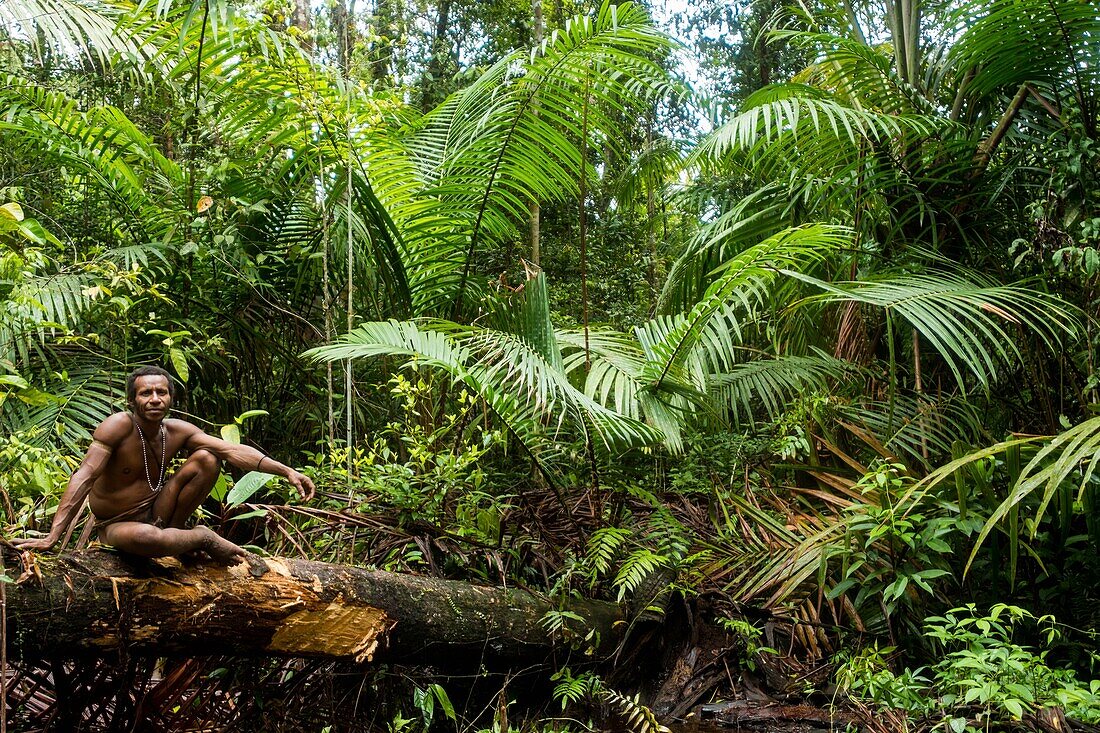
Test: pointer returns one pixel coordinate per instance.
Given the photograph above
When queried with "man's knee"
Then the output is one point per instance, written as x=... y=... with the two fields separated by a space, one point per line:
x=204 y=462
x=135 y=537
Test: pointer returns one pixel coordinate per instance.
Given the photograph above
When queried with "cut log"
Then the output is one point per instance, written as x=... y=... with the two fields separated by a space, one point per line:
x=98 y=601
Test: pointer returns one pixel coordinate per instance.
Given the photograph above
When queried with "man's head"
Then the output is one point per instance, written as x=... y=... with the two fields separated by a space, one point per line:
x=144 y=380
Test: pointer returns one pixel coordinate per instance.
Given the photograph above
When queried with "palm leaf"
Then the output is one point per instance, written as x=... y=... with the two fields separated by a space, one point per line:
x=80 y=398
x=1059 y=37
x=87 y=27
x=490 y=150
x=533 y=399
x=771 y=383
x=742 y=282
x=1073 y=451
x=966 y=321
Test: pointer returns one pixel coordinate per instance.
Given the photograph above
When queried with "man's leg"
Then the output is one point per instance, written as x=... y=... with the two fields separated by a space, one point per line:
x=186 y=489
x=146 y=540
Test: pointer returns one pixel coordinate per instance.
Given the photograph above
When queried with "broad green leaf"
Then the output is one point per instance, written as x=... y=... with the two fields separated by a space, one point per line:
x=248 y=485
x=249 y=515
x=231 y=433
x=250 y=413
x=221 y=487
x=12 y=211
x=179 y=362
x=13 y=380
x=444 y=701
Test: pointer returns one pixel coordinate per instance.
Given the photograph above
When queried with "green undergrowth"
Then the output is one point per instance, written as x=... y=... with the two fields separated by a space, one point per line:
x=980 y=676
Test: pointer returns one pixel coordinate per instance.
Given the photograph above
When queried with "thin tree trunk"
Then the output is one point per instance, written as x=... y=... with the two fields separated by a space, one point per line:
x=651 y=215
x=440 y=49
x=537 y=31
x=918 y=387
x=854 y=21
x=326 y=306
x=301 y=20
x=341 y=27
x=193 y=123
x=897 y=34
x=584 y=225
x=348 y=426
x=912 y=43
x=990 y=144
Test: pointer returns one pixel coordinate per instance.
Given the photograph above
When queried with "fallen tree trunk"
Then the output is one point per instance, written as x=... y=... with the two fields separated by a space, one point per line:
x=97 y=601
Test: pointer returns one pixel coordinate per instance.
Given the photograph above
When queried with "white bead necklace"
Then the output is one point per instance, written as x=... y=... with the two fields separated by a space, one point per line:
x=145 y=458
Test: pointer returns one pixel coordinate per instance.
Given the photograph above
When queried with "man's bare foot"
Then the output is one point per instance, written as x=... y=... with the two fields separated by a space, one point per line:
x=194 y=557
x=224 y=552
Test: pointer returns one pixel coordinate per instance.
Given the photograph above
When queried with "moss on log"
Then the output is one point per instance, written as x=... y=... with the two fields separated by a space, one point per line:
x=98 y=601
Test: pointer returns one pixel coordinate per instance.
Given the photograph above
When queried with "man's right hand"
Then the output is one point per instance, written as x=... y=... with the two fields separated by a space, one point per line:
x=29 y=543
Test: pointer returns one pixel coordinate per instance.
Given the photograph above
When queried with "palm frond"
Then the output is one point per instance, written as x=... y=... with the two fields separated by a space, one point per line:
x=527 y=315
x=973 y=325
x=86 y=27
x=1058 y=35
x=1072 y=453
x=491 y=150
x=80 y=397
x=772 y=383
x=797 y=111
x=750 y=221
x=915 y=427
x=39 y=307
x=767 y=559
x=742 y=283
x=533 y=399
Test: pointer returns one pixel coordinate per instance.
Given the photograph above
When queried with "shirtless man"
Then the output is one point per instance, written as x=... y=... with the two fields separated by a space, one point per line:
x=123 y=475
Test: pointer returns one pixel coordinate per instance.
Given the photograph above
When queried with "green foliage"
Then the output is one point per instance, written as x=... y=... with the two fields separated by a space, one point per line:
x=982 y=678
x=747 y=641
x=865 y=674
x=637 y=718
x=642 y=563
x=420 y=471
x=853 y=279
x=30 y=470
x=571 y=689
x=894 y=553
x=508 y=373
x=425 y=700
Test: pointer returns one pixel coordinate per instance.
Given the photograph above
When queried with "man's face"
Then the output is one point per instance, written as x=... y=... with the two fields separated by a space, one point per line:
x=152 y=399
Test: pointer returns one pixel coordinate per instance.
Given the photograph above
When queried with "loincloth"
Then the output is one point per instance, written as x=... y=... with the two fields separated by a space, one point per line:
x=140 y=512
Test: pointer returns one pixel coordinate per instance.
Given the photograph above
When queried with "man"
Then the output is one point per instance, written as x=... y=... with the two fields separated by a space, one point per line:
x=123 y=476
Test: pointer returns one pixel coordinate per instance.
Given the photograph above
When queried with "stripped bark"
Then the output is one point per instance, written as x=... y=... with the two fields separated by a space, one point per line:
x=96 y=601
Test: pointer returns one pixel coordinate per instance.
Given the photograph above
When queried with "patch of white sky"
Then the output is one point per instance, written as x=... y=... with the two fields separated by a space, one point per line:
x=668 y=15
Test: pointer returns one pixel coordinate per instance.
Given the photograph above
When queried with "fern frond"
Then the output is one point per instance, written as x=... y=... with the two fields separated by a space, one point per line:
x=636 y=717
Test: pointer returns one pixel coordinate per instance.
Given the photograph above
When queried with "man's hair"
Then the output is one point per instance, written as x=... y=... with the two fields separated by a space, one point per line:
x=148 y=371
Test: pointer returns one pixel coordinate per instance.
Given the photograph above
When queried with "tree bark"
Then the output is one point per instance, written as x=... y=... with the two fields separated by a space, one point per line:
x=534 y=210
x=97 y=601
x=300 y=19
x=433 y=88
x=342 y=19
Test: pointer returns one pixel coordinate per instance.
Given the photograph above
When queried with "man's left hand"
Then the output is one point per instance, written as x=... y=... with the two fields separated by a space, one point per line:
x=303 y=483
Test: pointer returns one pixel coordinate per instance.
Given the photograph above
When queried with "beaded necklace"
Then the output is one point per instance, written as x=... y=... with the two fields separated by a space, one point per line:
x=145 y=458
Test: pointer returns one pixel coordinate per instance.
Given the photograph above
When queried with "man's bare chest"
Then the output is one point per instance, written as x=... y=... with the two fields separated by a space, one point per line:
x=135 y=460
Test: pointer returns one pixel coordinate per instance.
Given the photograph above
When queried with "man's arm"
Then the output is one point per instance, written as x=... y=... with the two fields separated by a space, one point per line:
x=247 y=458
x=105 y=439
